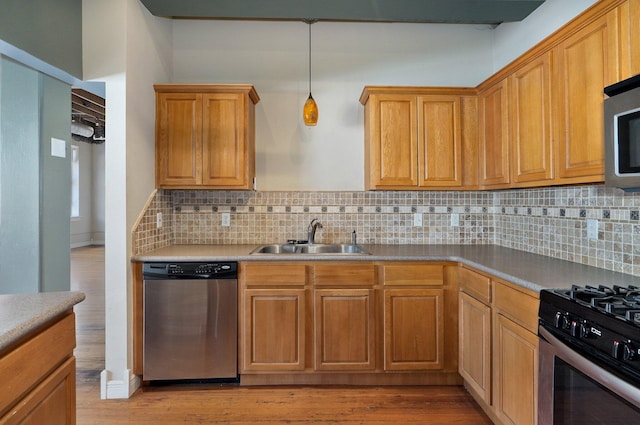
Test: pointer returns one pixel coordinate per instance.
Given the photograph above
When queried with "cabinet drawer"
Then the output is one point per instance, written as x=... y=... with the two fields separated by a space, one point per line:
x=344 y=274
x=413 y=274
x=521 y=307
x=475 y=284
x=273 y=274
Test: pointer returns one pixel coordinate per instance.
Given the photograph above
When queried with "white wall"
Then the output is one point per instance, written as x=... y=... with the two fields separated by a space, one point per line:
x=88 y=229
x=97 y=197
x=129 y=50
x=345 y=57
x=513 y=39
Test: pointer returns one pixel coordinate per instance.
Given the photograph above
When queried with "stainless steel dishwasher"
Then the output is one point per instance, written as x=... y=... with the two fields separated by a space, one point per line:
x=190 y=321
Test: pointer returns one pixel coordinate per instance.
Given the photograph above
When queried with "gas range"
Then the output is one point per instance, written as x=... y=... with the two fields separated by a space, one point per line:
x=601 y=322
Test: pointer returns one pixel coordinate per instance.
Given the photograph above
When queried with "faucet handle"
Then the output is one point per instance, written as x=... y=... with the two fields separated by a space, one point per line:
x=354 y=238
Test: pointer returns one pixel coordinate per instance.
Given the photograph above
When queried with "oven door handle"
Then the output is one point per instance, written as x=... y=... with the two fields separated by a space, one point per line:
x=605 y=378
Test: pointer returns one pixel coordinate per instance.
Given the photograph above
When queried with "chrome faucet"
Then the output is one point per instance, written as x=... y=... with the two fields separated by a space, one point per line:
x=311 y=230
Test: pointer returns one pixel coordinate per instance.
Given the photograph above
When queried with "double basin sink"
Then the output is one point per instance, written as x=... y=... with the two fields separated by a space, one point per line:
x=293 y=248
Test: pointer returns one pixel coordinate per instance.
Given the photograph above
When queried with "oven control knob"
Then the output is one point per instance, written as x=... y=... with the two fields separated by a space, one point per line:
x=579 y=329
x=623 y=350
x=561 y=320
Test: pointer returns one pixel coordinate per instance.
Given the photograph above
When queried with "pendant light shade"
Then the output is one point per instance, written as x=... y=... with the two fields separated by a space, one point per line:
x=310 y=109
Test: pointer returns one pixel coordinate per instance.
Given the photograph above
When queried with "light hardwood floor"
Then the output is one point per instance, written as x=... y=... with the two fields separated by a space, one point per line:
x=211 y=404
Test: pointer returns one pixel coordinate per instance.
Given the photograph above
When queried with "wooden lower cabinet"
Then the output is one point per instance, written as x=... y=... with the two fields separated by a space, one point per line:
x=475 y=345
x=414 y=329
x=516 y=373
x=274 y=329
x=39 y=378
x=347 y=322
x=344 y=324
x=498 y=341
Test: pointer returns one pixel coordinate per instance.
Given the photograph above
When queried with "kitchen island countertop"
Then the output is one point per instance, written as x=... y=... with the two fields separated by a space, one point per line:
x=21 y=314
x=532 y=271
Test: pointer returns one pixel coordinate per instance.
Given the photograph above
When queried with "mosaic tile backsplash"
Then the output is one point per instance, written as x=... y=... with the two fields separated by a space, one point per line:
x=548 y=221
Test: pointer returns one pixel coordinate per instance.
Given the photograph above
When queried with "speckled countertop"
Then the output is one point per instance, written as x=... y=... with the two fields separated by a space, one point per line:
x=20 y=314
x=532 y=271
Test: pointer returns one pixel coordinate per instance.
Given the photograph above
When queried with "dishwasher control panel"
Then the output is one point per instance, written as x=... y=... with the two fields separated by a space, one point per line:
x=226 y=270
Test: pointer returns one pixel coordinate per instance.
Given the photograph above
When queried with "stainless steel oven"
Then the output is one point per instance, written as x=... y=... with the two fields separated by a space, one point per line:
x=589 y=358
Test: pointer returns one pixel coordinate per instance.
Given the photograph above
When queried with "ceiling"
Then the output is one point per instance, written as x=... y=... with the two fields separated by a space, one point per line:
x=491 y=12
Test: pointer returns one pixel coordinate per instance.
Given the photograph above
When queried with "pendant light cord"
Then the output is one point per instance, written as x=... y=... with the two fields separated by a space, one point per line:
x=310 y=22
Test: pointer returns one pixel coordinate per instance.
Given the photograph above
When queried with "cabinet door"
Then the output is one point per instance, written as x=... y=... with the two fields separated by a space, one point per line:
x=52 y=402
x=413 y=329
x=439 y=141
x=494 y=140
x=586 y=63
x=178 y=139
x=474 y=345
x=392 y=143
x=274 y=330
x=530 y=122
x=224 y=140
x=516 y=373
x=344 y=322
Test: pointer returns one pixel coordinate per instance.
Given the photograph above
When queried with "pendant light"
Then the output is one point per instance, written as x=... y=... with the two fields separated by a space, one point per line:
x=310 y=109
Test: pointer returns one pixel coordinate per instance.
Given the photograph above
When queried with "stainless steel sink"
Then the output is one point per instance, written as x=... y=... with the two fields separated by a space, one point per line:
x=312 y=249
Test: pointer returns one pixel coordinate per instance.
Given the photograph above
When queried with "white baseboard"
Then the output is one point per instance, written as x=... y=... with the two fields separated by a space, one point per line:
x=80 y=244
x=114 y=389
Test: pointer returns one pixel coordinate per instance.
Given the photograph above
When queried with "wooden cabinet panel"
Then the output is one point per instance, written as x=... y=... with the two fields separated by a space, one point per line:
x=393 y=141
x=530 y=122
x=412 y=273
x=413 y=329
x=475 y=345
x=276 y=273
x=205 y=136
x=439 y=141
x=340 y=274
x=178 y=138
x=516 y=373
x=224 y=141
x=53 y=402
x=494 y=135
x=344 y=322
x=517 y=305
x=586 y=63
x=274 y=330
x=475 y=284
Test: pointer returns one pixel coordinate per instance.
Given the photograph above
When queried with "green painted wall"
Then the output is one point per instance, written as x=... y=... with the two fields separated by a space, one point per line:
x=34 y=184
x=50 y=30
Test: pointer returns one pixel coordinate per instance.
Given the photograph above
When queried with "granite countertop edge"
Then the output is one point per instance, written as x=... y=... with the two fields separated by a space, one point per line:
x=532 y=271
x=21 y=314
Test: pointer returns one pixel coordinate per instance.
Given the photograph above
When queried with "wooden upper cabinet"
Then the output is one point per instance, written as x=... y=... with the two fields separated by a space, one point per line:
x=439 y=141
x=419 y=137
x=587 y=62
x=391 y=148
x=494 y=135
x=178 y=139
x=205 y=136
x=530 y=122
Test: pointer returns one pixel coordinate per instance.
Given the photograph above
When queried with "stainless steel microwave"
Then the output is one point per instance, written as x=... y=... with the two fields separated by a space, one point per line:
x=622 y=134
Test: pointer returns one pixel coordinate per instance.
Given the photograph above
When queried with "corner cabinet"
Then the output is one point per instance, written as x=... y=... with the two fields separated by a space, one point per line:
x=498 y=356
x=205 y=136
x=419 y=138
